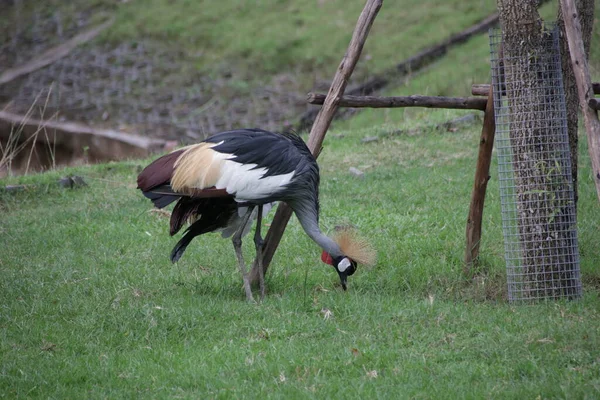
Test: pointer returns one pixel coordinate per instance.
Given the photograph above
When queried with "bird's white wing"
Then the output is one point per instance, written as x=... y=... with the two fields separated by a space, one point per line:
x=247 y=182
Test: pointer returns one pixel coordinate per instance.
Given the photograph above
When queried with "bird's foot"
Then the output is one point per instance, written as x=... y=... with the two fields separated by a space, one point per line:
x=248 y=290
x=261 y=278
x=259 y=245
x=258 y=265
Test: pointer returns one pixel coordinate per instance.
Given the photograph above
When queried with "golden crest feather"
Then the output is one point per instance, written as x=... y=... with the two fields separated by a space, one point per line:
x=354 y=246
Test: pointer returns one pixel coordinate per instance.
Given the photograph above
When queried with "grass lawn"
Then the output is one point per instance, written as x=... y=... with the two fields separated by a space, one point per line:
x=91 y=307
x=262 y=38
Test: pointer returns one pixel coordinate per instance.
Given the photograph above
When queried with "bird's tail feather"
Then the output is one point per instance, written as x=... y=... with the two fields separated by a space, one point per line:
x=196 y=229
x=185 y=210
x=162 y=196
x=216 y=216
x=180 y=247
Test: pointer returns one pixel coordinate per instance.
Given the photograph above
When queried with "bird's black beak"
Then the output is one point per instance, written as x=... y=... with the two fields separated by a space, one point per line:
x=343 y=279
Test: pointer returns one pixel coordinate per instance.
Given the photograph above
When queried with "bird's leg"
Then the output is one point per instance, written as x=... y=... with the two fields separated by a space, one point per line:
x=237 y=245
x=258 y=242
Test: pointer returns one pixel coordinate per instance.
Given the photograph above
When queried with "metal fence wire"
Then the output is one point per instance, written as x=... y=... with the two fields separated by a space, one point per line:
x=534 y=171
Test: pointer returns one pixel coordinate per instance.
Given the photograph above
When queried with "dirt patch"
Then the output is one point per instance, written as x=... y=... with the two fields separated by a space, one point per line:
x=146 y=89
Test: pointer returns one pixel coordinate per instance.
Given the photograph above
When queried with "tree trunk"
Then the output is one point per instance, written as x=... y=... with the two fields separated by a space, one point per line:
x=543 y=209
x=586 y=14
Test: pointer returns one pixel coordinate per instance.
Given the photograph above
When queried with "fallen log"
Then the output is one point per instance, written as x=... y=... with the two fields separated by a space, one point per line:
x=95 y=143
x=468 y=103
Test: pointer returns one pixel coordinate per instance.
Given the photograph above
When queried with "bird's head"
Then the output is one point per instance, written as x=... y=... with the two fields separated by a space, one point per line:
x=343 y=265
x=354 y=250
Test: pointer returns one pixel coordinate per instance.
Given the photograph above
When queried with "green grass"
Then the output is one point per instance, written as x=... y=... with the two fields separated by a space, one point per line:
x=91 y=307
x=453 y=76
x=272 y=35
x=251 y=39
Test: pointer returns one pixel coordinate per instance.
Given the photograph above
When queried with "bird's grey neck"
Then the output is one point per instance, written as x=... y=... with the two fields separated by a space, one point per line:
x=309 y=220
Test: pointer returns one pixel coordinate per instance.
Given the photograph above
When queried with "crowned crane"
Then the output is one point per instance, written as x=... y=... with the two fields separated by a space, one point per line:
x=221 y=183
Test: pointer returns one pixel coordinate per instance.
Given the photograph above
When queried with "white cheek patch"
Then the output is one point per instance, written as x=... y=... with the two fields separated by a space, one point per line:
x=343 y=265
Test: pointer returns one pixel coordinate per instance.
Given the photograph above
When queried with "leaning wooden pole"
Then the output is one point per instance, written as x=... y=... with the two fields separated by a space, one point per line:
x=584 y=86
x=322 y=122
x=482 y=176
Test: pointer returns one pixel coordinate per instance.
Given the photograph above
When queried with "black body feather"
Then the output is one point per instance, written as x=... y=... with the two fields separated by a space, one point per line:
x=162 y=196
x=213 y=214
x=277 y=153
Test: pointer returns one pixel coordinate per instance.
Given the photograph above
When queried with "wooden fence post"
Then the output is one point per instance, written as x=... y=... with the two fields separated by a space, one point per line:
x=482 y=176
x=584 y=86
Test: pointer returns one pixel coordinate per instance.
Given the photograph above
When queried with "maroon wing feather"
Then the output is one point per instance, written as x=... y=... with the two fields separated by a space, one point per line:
x=159 y=172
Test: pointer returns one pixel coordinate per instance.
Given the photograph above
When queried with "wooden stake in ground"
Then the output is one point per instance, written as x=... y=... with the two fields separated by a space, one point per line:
x=584 y=86
x=322 y=122
x=482 y=176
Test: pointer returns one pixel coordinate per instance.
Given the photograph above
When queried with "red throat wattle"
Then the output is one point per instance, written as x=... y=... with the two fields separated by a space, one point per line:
x=326 y=258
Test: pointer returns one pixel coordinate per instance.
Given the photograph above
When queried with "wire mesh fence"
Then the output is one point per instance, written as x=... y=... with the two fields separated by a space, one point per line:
x=534 y=171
